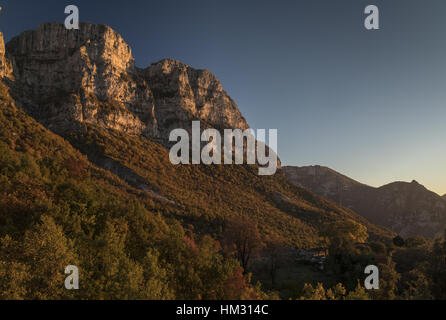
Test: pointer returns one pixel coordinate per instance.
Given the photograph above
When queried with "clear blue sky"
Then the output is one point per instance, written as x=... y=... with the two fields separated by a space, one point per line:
x=370 y=104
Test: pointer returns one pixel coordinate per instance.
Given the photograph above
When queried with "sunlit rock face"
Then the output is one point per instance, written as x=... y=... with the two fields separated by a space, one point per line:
x=182 y=93
x=66 y=77
x=5 y=64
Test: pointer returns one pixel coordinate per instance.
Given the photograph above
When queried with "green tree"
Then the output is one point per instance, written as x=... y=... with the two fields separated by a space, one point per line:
x=358 y=294
x=347 y=230
x=14 y=275
x=415 y=242
x=399 y=241
x=416 y=285
x=114 y=274
x=156 y=286
x=437 y=268
x=345 y=261
x=13 y=278
x=48 y=252
x=388 y=281
x=336 y=293
x=310 y=293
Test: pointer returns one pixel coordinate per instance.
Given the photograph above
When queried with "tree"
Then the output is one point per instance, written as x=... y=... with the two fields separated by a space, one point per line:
x=437 y=268
x=417 y=285
x=115 y=275
x=274 y=254
x=237 y=287
x=243 y=240
x=415 y=242
x=48 y=252
x=14 y=275
x=76 y=168
x=310 y=293
x=156 y=286
x=358 y=294
x=338 y=292
x=399 y=241
x=378 y=247
x=344 y=261
x=388 y=280
x=347 y=230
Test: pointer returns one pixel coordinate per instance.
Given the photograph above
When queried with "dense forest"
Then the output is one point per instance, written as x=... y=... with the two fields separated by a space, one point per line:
x=145 y=229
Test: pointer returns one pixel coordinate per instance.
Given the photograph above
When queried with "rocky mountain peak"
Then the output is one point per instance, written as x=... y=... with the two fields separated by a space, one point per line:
x=53 y=59
x=89 y=76
x=197 y=92
x=52 y=41
x=413 y=186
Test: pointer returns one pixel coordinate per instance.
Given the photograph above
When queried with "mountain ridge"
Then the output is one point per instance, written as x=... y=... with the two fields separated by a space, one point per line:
x=85 y=171
x=84 y=86
x=90 y=75
x=405 y=207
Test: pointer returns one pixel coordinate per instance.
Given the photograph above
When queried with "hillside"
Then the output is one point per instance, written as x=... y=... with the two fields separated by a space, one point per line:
x=85 y=170
x=85 y=87
x=406 y=208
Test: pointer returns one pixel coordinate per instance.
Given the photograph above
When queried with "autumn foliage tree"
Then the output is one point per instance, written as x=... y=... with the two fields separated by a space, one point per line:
x=242 y=239
x=345 y=261
x=338 y=292
x=275 y=254
x=76 y=168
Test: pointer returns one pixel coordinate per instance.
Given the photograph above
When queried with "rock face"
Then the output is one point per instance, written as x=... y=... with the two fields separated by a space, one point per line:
x=5 y=65
x=407 y=208
x=2 y=54
x=181 y=92
x=413 y=209
x=68 y=77
x=325 y=182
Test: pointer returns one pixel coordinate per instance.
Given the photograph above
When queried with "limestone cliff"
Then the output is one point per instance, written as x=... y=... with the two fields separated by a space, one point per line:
x=182 y=92
x=67 y=77
x=5 y=65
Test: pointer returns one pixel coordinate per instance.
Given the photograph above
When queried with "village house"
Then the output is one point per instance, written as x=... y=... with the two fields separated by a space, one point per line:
x=315 y=256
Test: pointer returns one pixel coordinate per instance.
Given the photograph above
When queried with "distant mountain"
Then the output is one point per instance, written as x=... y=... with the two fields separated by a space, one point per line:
x=407 y=208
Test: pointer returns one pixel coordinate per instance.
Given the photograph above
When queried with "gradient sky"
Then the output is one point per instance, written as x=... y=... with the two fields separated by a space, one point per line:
x=369 y=104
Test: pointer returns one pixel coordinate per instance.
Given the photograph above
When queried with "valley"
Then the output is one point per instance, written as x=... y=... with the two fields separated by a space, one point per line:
x=86 y=180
